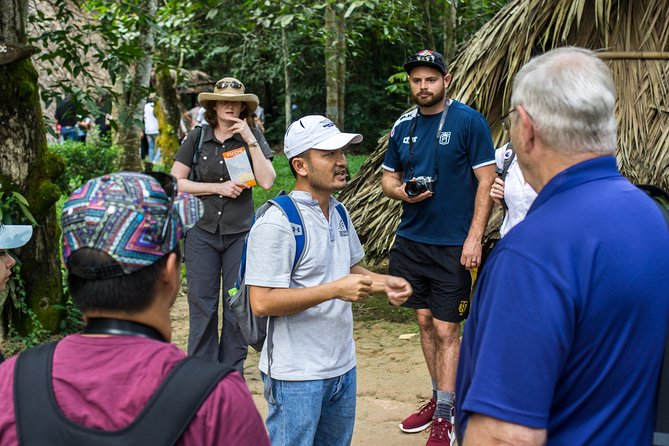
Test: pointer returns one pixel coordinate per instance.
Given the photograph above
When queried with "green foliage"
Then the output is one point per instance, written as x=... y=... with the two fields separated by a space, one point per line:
x=37 y=334
x=84 y=161
x=14 y=209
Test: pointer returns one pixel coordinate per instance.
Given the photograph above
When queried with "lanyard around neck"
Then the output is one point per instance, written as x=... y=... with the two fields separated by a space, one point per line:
x=119 y=327
x=436 y=143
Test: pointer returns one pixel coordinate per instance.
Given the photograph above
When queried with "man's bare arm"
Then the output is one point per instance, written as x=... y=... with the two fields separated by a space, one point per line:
x=288 y=301
x=487 y=431
x=472 y=248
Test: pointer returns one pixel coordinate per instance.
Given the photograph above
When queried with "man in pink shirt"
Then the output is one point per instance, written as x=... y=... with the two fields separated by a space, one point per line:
x=121 y=237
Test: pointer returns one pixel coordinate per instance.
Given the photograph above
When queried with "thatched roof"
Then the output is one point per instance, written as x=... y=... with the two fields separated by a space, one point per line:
x=195 y=82
x=632 y=37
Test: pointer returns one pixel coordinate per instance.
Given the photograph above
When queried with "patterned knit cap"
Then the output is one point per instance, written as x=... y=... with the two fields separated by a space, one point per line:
x=126 y=216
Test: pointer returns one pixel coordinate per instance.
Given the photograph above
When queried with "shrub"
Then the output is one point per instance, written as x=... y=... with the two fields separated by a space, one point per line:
x=84 y=161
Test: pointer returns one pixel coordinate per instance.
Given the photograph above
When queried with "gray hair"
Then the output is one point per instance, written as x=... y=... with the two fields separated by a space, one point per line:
x=570 y=95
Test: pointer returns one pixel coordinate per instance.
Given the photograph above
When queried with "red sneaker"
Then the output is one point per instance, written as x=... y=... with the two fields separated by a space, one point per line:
x=421 y=420
x=441 y=433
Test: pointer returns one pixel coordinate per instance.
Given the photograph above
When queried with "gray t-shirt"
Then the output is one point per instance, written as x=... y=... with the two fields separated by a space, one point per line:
x=318 y=342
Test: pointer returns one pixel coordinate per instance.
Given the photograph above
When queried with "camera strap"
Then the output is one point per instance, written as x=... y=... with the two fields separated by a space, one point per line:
x=436 y=142
x=118 y=327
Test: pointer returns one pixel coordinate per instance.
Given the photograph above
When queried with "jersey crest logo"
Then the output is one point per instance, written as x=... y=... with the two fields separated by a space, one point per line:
x=444 y=138
x=297 y=229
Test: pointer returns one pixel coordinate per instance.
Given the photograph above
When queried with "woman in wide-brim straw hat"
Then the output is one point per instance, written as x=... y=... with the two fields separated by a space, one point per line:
x=213 y=248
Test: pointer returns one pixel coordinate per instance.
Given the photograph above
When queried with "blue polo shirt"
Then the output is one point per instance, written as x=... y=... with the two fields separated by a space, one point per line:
x=570 y=316
x=464 y=144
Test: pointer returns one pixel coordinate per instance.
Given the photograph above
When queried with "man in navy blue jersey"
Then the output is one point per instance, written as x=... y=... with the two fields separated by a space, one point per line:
x=441 y=163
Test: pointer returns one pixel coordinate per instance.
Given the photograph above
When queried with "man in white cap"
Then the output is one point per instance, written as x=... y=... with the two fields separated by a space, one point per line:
x=312 y=390
x=11 y=237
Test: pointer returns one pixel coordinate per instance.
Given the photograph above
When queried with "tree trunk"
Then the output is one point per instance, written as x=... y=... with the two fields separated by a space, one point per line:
x=335 y=65
x=168 y=114
x=132 y=107
x=27 y=167
x=287 y=103
x=428 y=24
x=449 y=19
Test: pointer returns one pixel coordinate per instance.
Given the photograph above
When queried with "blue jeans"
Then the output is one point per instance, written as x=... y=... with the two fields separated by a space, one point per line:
x=319 y=412
x=151 y=140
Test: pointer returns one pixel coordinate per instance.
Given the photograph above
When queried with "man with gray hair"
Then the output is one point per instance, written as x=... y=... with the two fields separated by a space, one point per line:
x=565 y=339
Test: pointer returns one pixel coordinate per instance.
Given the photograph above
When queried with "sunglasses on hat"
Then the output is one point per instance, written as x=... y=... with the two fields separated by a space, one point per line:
x=233 y=84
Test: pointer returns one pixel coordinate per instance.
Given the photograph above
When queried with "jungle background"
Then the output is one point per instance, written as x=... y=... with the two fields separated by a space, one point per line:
x=338 y=58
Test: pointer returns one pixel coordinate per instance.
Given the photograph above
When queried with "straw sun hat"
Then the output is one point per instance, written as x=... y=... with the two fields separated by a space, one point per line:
x=229 y=89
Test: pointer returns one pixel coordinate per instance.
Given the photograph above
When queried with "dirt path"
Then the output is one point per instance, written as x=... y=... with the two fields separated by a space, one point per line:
x=392 y=378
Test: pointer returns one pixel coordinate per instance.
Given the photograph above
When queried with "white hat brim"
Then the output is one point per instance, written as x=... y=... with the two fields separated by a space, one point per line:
x=14 y=236
x=338 y=141
x=251 y=100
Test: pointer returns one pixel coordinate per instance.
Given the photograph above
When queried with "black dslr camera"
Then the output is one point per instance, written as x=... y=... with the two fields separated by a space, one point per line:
x=419 y=185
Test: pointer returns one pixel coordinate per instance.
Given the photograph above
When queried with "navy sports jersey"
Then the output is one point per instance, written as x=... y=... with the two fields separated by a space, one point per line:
x=464 y=144
x=568 y=324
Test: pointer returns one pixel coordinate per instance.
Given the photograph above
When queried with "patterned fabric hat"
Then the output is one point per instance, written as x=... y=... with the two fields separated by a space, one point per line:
x=135 y=218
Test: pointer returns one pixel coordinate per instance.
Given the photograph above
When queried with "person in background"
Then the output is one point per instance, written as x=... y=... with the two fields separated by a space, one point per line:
x=511 y=192
x=121 y=236
x=151 y=128
x=213 y=248
x=11 y=237
x=259 y=117
x=565 y=340
x=66 y=120
x=448 y=145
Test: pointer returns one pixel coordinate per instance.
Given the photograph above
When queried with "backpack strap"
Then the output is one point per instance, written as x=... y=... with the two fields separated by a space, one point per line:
x=508 y=156
x=163 y=420
x=292 y=213
x=192 y=175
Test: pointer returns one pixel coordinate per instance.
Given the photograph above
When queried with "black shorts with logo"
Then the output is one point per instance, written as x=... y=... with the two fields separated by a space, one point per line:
x=440 y=283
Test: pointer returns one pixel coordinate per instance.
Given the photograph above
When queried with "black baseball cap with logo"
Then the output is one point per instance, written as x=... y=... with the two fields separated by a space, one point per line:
x=426 y=58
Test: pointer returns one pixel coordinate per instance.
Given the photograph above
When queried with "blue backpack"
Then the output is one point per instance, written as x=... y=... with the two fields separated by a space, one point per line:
x=255 y=329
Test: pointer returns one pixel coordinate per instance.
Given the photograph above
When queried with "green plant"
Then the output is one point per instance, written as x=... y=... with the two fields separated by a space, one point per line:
x=14 y=209
x=84 y=161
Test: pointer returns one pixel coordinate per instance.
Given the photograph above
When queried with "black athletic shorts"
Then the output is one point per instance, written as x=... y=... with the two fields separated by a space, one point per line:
x=440 y=283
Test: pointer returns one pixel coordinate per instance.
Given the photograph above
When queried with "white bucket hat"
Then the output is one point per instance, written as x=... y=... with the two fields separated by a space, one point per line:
x=230 y=89
x=315 y=132
x=14 y=236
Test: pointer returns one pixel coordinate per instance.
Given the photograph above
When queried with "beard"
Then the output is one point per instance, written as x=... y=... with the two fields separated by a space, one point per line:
x=430 y=100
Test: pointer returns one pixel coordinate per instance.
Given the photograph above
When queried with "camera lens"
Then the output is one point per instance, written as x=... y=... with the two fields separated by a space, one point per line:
x=414 y=188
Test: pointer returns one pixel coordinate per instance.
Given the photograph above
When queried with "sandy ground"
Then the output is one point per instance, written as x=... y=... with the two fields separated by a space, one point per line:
x=392 y=378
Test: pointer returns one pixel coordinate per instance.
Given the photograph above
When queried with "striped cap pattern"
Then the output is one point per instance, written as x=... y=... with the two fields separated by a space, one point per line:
x=123 y=214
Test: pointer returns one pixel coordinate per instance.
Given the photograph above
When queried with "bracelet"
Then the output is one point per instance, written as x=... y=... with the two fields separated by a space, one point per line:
x=253 y=144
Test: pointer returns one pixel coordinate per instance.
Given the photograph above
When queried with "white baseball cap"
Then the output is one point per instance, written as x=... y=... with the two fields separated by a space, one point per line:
x=14 y=236
x=315 y=132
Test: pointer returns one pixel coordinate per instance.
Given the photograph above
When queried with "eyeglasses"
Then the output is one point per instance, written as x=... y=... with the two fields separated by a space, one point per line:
x=506 y=121
x=169 y=185
x=225 y=84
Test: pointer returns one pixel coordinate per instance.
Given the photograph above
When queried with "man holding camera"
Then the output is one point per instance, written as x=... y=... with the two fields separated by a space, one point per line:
x=441 y=163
